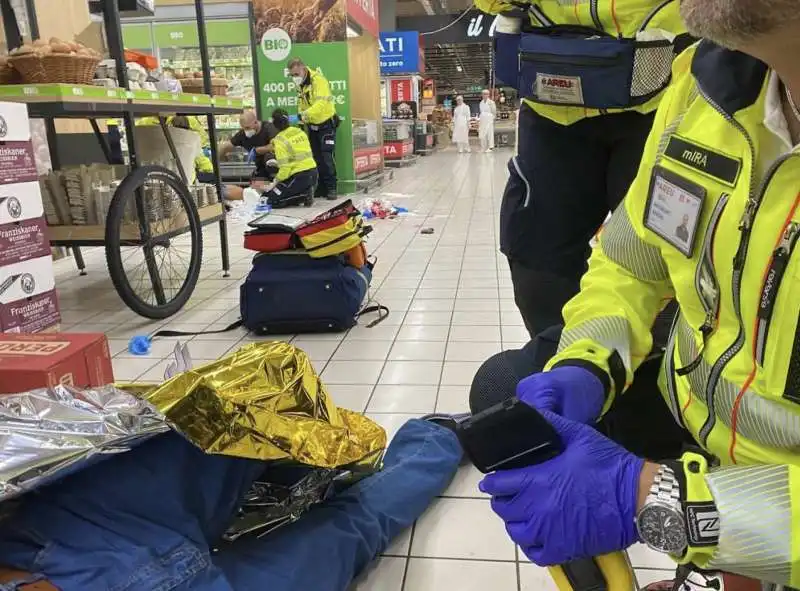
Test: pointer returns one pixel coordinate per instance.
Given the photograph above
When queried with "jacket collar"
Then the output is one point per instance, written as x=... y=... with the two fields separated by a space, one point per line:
x=731 y=79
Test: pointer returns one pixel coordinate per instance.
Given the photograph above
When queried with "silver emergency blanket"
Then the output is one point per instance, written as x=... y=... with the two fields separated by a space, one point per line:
x=49 y=433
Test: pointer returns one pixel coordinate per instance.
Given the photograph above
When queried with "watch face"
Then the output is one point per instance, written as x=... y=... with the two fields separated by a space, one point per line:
x=662 y=528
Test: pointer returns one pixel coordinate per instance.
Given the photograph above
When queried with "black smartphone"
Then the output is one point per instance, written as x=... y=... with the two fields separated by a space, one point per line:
x=507 y=436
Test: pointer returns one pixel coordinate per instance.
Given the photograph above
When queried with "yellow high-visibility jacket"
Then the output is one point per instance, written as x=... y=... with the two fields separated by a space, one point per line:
x=616 y=17
x=737 y=337
x=316 y=99
x=293 y=153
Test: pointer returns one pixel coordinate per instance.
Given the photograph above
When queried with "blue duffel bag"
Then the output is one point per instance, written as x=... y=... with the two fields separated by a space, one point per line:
x=288 y=293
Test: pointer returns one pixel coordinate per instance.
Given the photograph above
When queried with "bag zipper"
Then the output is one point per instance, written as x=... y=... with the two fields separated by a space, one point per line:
x=706 y=261
x=589 y=60
x=771 y=287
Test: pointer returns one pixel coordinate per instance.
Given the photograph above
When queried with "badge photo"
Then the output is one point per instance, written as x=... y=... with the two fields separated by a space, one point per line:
x=674 y=207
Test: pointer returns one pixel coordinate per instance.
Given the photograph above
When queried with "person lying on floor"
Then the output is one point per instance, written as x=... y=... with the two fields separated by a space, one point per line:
x=297 y=171
x=152 y=519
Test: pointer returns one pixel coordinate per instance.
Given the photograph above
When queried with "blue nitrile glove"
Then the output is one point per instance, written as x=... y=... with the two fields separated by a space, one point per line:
x=294 y=119
x=570 y=391
x=578 y=505
x=139 y=345
x=251 y=156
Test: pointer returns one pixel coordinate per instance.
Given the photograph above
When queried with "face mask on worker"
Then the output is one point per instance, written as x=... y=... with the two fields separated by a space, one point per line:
x=249 y=132
x=298 y=80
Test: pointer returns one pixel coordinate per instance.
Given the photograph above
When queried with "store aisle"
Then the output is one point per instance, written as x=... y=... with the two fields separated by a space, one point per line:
x=451 y=307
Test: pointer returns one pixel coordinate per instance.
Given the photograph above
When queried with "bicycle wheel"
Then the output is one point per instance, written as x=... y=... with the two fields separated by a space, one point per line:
x=154 y=242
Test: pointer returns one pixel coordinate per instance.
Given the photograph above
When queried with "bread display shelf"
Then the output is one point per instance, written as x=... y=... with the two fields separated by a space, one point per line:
x=95 y=234
x=84 y=100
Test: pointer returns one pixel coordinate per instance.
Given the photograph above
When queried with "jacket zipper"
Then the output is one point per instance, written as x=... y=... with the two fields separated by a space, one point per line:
x=771 y=287
x=669 y=368
x=745 y=228
x=528 y=195
x=654 y=12
x=594 y=9
x=706 y=260
x=584 y=60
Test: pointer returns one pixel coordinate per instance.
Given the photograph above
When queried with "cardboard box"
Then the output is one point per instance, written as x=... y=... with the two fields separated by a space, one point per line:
x=28 y=301
x=30 y=361
x=14 y=123
x=17 y=163
x=20 y=202
x=22 y=241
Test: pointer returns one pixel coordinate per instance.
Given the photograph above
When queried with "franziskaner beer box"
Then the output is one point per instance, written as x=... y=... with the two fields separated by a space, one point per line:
x=28 y=301
x=30 y=361
x=23 y=229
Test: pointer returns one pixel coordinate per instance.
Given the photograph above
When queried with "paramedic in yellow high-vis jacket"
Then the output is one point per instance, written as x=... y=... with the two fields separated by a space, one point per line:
x=317 y=110
x=723 y=157
x=297 y=172
x=591 y=74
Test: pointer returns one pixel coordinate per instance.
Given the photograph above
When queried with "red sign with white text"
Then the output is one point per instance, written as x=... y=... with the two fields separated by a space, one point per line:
x=401 y=90
x=365 y=13
x=397 y=150
x=367 y=160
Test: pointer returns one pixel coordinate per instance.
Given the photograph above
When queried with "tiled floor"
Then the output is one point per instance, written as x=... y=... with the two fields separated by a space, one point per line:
x=451 y=307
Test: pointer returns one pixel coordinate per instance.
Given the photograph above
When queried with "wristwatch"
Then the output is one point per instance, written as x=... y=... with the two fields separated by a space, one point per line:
x=661 y=523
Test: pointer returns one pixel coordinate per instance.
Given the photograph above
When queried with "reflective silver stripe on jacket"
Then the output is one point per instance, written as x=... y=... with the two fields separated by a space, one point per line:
x=760 y=419
x=613 y=332
x=620 y=243
x=755 y=514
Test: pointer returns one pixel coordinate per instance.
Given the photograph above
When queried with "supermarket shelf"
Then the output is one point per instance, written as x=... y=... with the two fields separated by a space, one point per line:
x=95 y=235
x=64 y=100
x=217 y=64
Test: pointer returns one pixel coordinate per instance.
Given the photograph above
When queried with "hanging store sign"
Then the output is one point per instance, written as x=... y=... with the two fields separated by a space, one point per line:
x=428 y=88
x=401 y=90
x=404 y=110
x=399 y=52
x=475 y=27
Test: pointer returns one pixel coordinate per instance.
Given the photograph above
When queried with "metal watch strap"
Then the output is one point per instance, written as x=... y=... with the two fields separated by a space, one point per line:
x=665 y=488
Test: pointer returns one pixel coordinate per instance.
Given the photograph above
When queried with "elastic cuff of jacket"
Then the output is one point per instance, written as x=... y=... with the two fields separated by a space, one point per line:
x=592 y=369
x=699 y=509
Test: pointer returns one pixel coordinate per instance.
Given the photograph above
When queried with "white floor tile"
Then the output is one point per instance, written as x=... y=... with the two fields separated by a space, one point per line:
x=420 y=305
x=127 y=369
x=209 y=350
x=384 y=574
x=535 y=578
x=381 y=332
x=321 y=350
x=473 y=318
x=459 y=373
x=475 y=334
x=423 y=333
x=465 y=484
x=471 y=351
x=428 y=318
x=445 y=531
x=453 y=399
x=417 y=351
x=352 y=350
x=403 y=399
x=352 y=372
x=391 y=422
x=350 y=396
x=419 y=373
x=461 y=575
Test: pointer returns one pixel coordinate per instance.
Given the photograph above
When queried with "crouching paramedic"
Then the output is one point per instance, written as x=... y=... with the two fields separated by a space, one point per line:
x=722 y=156
x=297 y=171
x=318 y=112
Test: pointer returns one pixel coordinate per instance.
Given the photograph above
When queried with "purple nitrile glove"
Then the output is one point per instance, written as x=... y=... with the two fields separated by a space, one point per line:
x=573 y=392
x=578 y=505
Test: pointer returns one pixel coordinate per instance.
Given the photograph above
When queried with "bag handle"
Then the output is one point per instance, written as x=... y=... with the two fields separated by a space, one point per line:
x=383 y=314
x=181 y=333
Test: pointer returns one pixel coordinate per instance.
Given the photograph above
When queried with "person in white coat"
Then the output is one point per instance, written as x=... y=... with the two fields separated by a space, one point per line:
x=486 y=122
x=461 y=117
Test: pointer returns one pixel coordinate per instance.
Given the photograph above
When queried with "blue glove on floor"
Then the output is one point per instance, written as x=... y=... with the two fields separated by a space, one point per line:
x=578 y=505
x=570 y=391
x=251 y=156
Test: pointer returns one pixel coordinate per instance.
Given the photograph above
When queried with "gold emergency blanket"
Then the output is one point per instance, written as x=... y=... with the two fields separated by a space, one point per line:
x=266 y=402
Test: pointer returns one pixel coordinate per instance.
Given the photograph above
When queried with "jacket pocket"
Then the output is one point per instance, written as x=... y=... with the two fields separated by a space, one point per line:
x=517 y=202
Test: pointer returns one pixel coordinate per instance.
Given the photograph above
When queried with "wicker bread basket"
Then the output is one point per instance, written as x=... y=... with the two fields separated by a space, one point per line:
x=8 y=75
x=55 y=68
